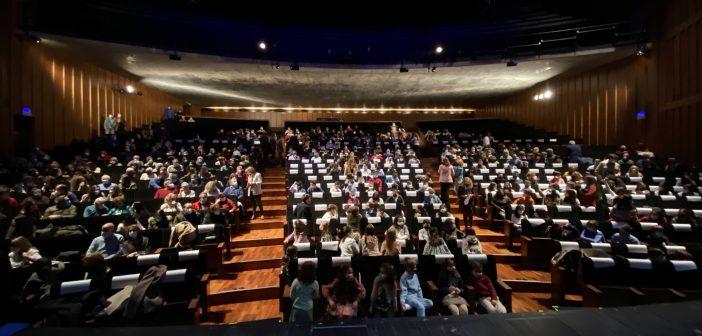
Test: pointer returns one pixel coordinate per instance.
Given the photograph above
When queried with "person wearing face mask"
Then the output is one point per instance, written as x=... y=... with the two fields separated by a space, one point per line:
x=299 y=234
x=97 y=209
x=471 y=244
x=22 y=253
x=435 y=245
x=62 y=209
x=423 y=233
x=485 y=291
x=135 y=243
x=411 y=295
x=451 y=286
x=190 y=214
x=383 y=301
x=202 y=204
x=344 y=294
x=106 y=184
x=108 y=244
x=432 y=198
x=401 y=229
x=234 y=191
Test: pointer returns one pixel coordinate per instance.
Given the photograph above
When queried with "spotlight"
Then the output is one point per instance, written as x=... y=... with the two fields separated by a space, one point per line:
x=433 y=69
x=130 y=89
x=403 y=69
x=277 y=66
x=536 y=97
x=35 y=39
x=439 y=49
x=541 y=96
x=640 y=51
x=294 y=67
x=174 y=57
x=548 y=94
x=511 y=63
x=262 y=45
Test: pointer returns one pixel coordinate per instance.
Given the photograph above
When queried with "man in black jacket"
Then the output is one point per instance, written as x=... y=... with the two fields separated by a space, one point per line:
x=304 y=210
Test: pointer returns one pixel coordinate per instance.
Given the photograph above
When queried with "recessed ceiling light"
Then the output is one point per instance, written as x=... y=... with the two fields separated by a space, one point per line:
x=262 y=45
x=439 y=49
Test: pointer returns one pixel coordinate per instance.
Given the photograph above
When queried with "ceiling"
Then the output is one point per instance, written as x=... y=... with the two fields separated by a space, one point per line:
x=206 y=80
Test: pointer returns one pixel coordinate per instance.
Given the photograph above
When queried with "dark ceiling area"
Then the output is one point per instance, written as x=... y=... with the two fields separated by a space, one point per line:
x=348 y=33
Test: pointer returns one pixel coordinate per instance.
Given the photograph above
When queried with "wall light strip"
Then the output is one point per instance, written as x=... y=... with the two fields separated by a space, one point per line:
x=341 y=109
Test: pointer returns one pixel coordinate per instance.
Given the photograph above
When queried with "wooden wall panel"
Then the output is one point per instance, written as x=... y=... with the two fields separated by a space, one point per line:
x=69 y=98
x=600 y=106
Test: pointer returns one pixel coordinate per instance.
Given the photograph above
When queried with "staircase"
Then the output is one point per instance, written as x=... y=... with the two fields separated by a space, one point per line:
x=531 y=287
x=246 y=287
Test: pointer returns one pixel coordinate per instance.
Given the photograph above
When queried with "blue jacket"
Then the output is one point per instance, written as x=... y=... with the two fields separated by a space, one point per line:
x=410 y=286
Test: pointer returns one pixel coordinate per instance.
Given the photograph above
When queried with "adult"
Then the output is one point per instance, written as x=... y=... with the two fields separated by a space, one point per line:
x=108 y=243
x=254 y=191
x=446 y=175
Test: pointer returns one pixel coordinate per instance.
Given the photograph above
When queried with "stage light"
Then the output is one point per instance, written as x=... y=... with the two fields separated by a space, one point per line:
x=541 y=96
x=511 y=63
x=439 y=49
x=35 y=39
x=277 y=66
x=262 y=45
x=548 y=94
x=640 y=51
x=536 y=97
x=129 y=88
x=433 y=69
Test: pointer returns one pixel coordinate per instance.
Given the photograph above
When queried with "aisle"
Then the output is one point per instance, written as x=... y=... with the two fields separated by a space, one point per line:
x=247 y=286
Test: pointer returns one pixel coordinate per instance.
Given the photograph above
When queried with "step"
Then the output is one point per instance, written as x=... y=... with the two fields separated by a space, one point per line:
x=529 y=286
x=273 y=222
x=245 y=311
x=273 y=184
x=274 y=200
x=275 y=192
x=263 y=237
x=248 y=285
x=275 y=210
x=251 y=258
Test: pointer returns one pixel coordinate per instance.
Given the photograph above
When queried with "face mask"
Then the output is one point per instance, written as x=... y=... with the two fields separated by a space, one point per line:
x=443 y=210
x=107 y=235
x=349 y=277
x=477 y=275
x=173 y=203
x=37 y=194
x=133 y=234
x=203 y=200
x=188 y=211
x=400 y=223
x=106 y=183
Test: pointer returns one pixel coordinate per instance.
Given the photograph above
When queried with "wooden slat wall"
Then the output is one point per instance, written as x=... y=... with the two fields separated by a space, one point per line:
x=69 y=97
x=278 y=119
x=600 y=106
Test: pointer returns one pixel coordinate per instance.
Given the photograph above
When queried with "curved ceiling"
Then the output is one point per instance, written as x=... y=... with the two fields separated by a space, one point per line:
x=206 y=80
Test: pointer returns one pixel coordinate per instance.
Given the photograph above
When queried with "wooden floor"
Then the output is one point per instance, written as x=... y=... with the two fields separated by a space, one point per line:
x=244 y=311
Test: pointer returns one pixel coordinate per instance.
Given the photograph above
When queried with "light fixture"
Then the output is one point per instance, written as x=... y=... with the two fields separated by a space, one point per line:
x=511 y=63
x=129 y=88
x=262 y=45
x=433 y=69
x=35 y=39
x=548 y=94
x=438 y=50
x=277 y=65
x=536 y=97
x=541 y=96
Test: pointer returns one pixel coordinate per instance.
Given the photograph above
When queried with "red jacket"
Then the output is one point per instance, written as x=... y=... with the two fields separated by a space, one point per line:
x=377 y=183
x=484 y=288
x=588 y=197
x=163 y=192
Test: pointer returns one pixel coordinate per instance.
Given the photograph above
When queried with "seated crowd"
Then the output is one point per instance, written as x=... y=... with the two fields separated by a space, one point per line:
x=124 y=197
x=369 y=197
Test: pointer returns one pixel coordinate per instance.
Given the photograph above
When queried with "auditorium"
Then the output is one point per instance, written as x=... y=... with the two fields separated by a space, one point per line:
x=396 y=168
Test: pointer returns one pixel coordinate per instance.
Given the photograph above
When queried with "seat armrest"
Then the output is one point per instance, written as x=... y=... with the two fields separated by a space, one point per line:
x=504 y=291
x=286 y=291
x=194 y=303
x=432 y=286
